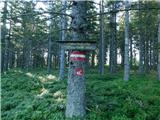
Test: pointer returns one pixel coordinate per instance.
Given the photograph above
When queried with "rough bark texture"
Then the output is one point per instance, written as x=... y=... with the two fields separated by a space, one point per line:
x=4 y=59
x=113 y=45
x=49 y=58
x=147 y=40
x=155 y=51
x=76 y=91
x=141 y=45
x=27 y=21
x=63 y=37
x=141 y=55
x=101 y=46
x=126 y=60
x=146 y=61
x=27 y=54
x=6 y=54
x=11 y=52
x=131 y=54
x=158 y=65
x=92 y=59
x=76 y=84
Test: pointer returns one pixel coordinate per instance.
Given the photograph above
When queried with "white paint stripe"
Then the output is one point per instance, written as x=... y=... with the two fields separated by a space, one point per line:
x=77 y=55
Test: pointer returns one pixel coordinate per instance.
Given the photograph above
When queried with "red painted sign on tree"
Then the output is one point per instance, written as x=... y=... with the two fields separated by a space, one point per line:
x=79 y=71
x=77 y=56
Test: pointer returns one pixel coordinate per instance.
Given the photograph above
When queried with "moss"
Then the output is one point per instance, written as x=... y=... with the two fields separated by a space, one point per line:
x=108 y=97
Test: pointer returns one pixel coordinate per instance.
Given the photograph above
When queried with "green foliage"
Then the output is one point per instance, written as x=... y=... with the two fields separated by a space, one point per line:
x=35 y=95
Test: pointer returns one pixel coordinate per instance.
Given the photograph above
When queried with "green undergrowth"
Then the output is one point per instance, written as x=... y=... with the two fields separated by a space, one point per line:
x=36 y=95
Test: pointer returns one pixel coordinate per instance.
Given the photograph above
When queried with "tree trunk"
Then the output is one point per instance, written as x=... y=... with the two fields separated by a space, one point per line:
x=49 y=58
x=146 y=60
x=76 y=83
x=18 y=64
x=11 y=53
x=102 y=45
x=113 y=45
x=92 y=59
x=28 y=23
x=27 y=52
x=150 y=54
x=141 y=45
x=6 y=54
x=63 y=37
x=11 y=56
x=126 y=58
x=131 y=54
x=5 y=41
x=55 y=61
x=122 y=56
x=155 y=51
x=158 y=65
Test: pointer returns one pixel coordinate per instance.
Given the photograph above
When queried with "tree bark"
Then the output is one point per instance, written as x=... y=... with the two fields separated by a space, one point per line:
x=131 y=54
x=63 y=37
x=126 y=59
x=5 y=42
x=27 y=23
x=158 y=65
x=76 y=84
x=141 y=45
x=6 y=54
x=147 y=40
x=155 y=51
x=113 y=42
x=28 y=53
x=92 y=59
x=146 y=62
x=49 y=58
x=102 y=44
x=11 y=53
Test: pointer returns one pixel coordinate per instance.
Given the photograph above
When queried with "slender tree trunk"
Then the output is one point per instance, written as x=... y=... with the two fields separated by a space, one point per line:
x=122 y=57
x=147 y=40
x=155 y=51
x=141 y=45
x=55 y=61
x=158 y=65
x=11 y=54
x=23 y=57
x=5 y=42
x=92 y=59
x=113 y=42
x=27 y=34
x=63 y=37
x=146 y=60
x=6 y=54
x=150 y=54
x=30 y=61
x=102 y=45
x=141 y=60
x=76 y=83
x=126 y=59
x=18 y=59
x=49 y=58
x=28 y=54
x=131 y=54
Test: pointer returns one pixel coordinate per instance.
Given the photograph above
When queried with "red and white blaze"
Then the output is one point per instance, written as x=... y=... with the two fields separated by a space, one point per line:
x=77 y=56
x=79 y=71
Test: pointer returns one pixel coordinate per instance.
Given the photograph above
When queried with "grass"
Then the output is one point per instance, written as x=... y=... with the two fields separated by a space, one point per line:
x=35 y=95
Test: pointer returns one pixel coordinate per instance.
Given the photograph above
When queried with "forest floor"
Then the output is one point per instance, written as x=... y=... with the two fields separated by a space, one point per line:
x=35 y=95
